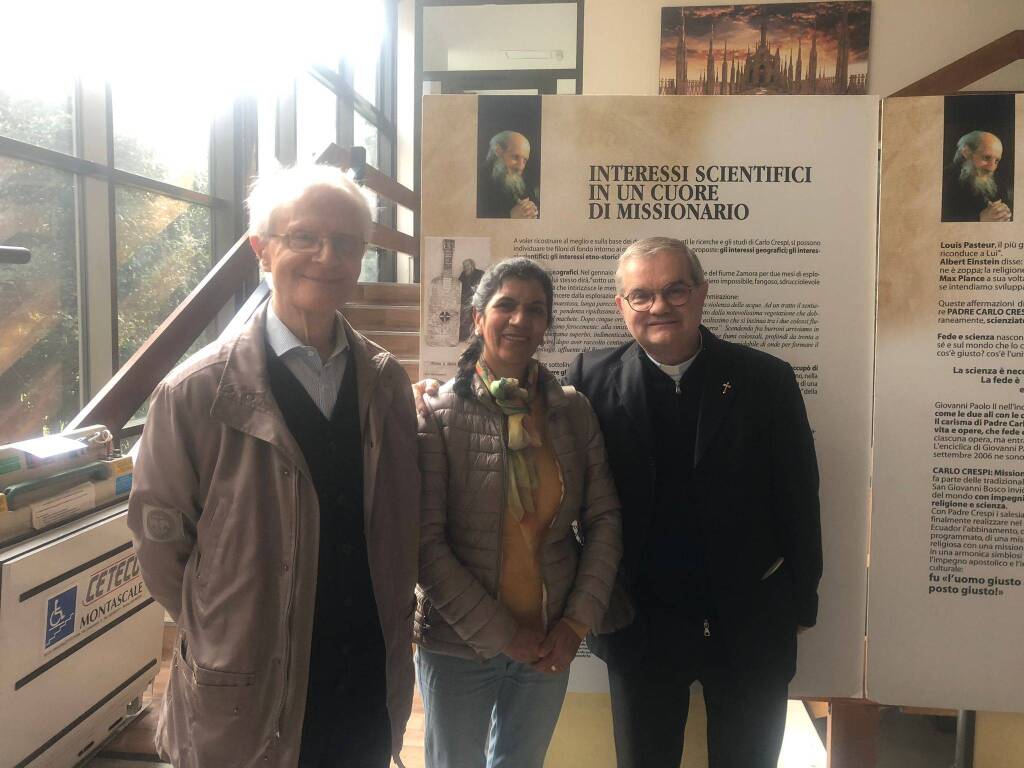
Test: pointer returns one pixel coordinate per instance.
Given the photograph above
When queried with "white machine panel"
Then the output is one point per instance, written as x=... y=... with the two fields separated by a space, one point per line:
x=80 y=638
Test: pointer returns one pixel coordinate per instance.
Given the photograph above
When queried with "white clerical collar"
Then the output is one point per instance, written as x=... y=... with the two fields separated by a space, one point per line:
x=675 y=372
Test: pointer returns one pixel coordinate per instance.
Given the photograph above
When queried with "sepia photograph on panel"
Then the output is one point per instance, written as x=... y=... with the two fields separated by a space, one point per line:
x=977 y=158
x=508 y=148
x=455 y=266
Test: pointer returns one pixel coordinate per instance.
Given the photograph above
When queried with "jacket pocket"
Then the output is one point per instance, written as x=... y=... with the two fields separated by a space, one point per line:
x=207 y=534
x=773 y=601
x=212 y=707
x=213 y=678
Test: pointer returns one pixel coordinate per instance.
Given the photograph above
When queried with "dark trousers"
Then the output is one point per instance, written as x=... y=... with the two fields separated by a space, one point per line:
x=746 y=704
x=346 y=723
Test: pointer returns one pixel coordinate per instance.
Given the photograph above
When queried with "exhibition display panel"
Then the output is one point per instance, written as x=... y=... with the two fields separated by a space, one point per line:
x=946 y=599
x=778 y=197
x=908 y=349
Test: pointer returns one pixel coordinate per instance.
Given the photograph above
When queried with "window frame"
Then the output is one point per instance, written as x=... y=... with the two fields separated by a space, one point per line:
x=96 y=180
x=340 y=82
x=233 y=163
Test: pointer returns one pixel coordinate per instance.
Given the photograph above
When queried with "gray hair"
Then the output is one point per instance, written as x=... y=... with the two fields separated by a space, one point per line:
x=282 y=187
x=500 y=141
x=649 y=246
x=969 y=141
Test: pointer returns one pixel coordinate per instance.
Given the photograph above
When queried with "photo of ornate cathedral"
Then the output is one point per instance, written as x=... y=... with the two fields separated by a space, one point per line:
x=784 y=48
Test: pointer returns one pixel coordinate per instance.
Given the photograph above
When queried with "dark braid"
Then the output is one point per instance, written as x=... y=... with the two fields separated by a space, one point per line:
x=490 y=284
x=467 y=366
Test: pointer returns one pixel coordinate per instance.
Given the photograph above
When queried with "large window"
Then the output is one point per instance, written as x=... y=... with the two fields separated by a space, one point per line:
x=37 y=110
x=39 y=343
x=164 y=247
x=352 y=104
x=113 y=199
x=159 y=136
x=127 y=187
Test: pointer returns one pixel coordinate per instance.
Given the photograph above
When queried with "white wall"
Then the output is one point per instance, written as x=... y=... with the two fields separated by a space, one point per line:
x=478 y=37
x=909 y=40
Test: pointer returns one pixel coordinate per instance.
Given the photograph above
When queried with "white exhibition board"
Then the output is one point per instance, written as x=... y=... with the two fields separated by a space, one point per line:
x=946 y=607
x=777 y=196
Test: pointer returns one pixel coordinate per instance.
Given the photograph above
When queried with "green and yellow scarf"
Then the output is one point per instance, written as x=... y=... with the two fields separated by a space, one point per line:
x=514 y=401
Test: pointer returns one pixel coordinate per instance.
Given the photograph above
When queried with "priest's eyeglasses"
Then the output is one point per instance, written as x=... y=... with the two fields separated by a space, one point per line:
x=301 y=241
x=676 y=294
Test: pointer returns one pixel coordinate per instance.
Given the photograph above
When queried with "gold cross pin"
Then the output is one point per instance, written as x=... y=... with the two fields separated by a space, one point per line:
x=726 y=387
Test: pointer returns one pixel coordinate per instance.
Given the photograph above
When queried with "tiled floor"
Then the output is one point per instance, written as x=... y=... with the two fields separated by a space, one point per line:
x=906 y=741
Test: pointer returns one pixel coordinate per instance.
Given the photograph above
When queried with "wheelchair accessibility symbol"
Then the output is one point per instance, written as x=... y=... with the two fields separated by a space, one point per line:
x=60 y=616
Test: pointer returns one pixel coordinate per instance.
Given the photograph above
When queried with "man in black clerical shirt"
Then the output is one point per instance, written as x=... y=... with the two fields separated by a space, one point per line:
x=715 y=466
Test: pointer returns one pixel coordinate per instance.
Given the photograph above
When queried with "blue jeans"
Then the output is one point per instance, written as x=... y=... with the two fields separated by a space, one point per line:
x=496 y=713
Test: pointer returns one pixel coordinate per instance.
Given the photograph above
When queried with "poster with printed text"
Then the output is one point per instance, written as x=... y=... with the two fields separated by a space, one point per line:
x=946 y=607
x=778 y=199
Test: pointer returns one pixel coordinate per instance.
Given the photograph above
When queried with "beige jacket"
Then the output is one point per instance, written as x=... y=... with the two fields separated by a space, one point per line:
x=463 y=461
x=225 y=519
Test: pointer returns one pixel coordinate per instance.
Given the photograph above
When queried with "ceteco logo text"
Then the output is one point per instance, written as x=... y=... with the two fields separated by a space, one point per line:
x=112 y=577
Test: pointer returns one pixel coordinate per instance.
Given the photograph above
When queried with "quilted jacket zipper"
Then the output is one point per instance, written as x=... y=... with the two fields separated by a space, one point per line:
x=503 y=431
x=551 y=525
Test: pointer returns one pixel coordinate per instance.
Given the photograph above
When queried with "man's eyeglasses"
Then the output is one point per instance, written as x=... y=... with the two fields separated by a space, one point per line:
x=676 y=294
x=307 y=242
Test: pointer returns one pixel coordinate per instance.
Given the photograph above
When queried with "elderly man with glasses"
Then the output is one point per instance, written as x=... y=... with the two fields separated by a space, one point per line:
x=715 y=466
x=276 y=510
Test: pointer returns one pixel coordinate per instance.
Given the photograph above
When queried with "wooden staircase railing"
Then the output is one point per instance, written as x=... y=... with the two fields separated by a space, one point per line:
x=235 y=276
x=970 y=68
x=122 y=396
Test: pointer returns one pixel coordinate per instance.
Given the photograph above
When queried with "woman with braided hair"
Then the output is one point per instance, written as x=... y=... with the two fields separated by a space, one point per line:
x=520 y=536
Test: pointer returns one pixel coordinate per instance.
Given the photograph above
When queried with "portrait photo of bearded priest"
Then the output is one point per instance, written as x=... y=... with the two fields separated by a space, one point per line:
x=509 y=150
x=977 y=182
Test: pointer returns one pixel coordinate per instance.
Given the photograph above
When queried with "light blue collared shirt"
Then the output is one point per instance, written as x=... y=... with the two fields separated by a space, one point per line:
x=320 y=380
